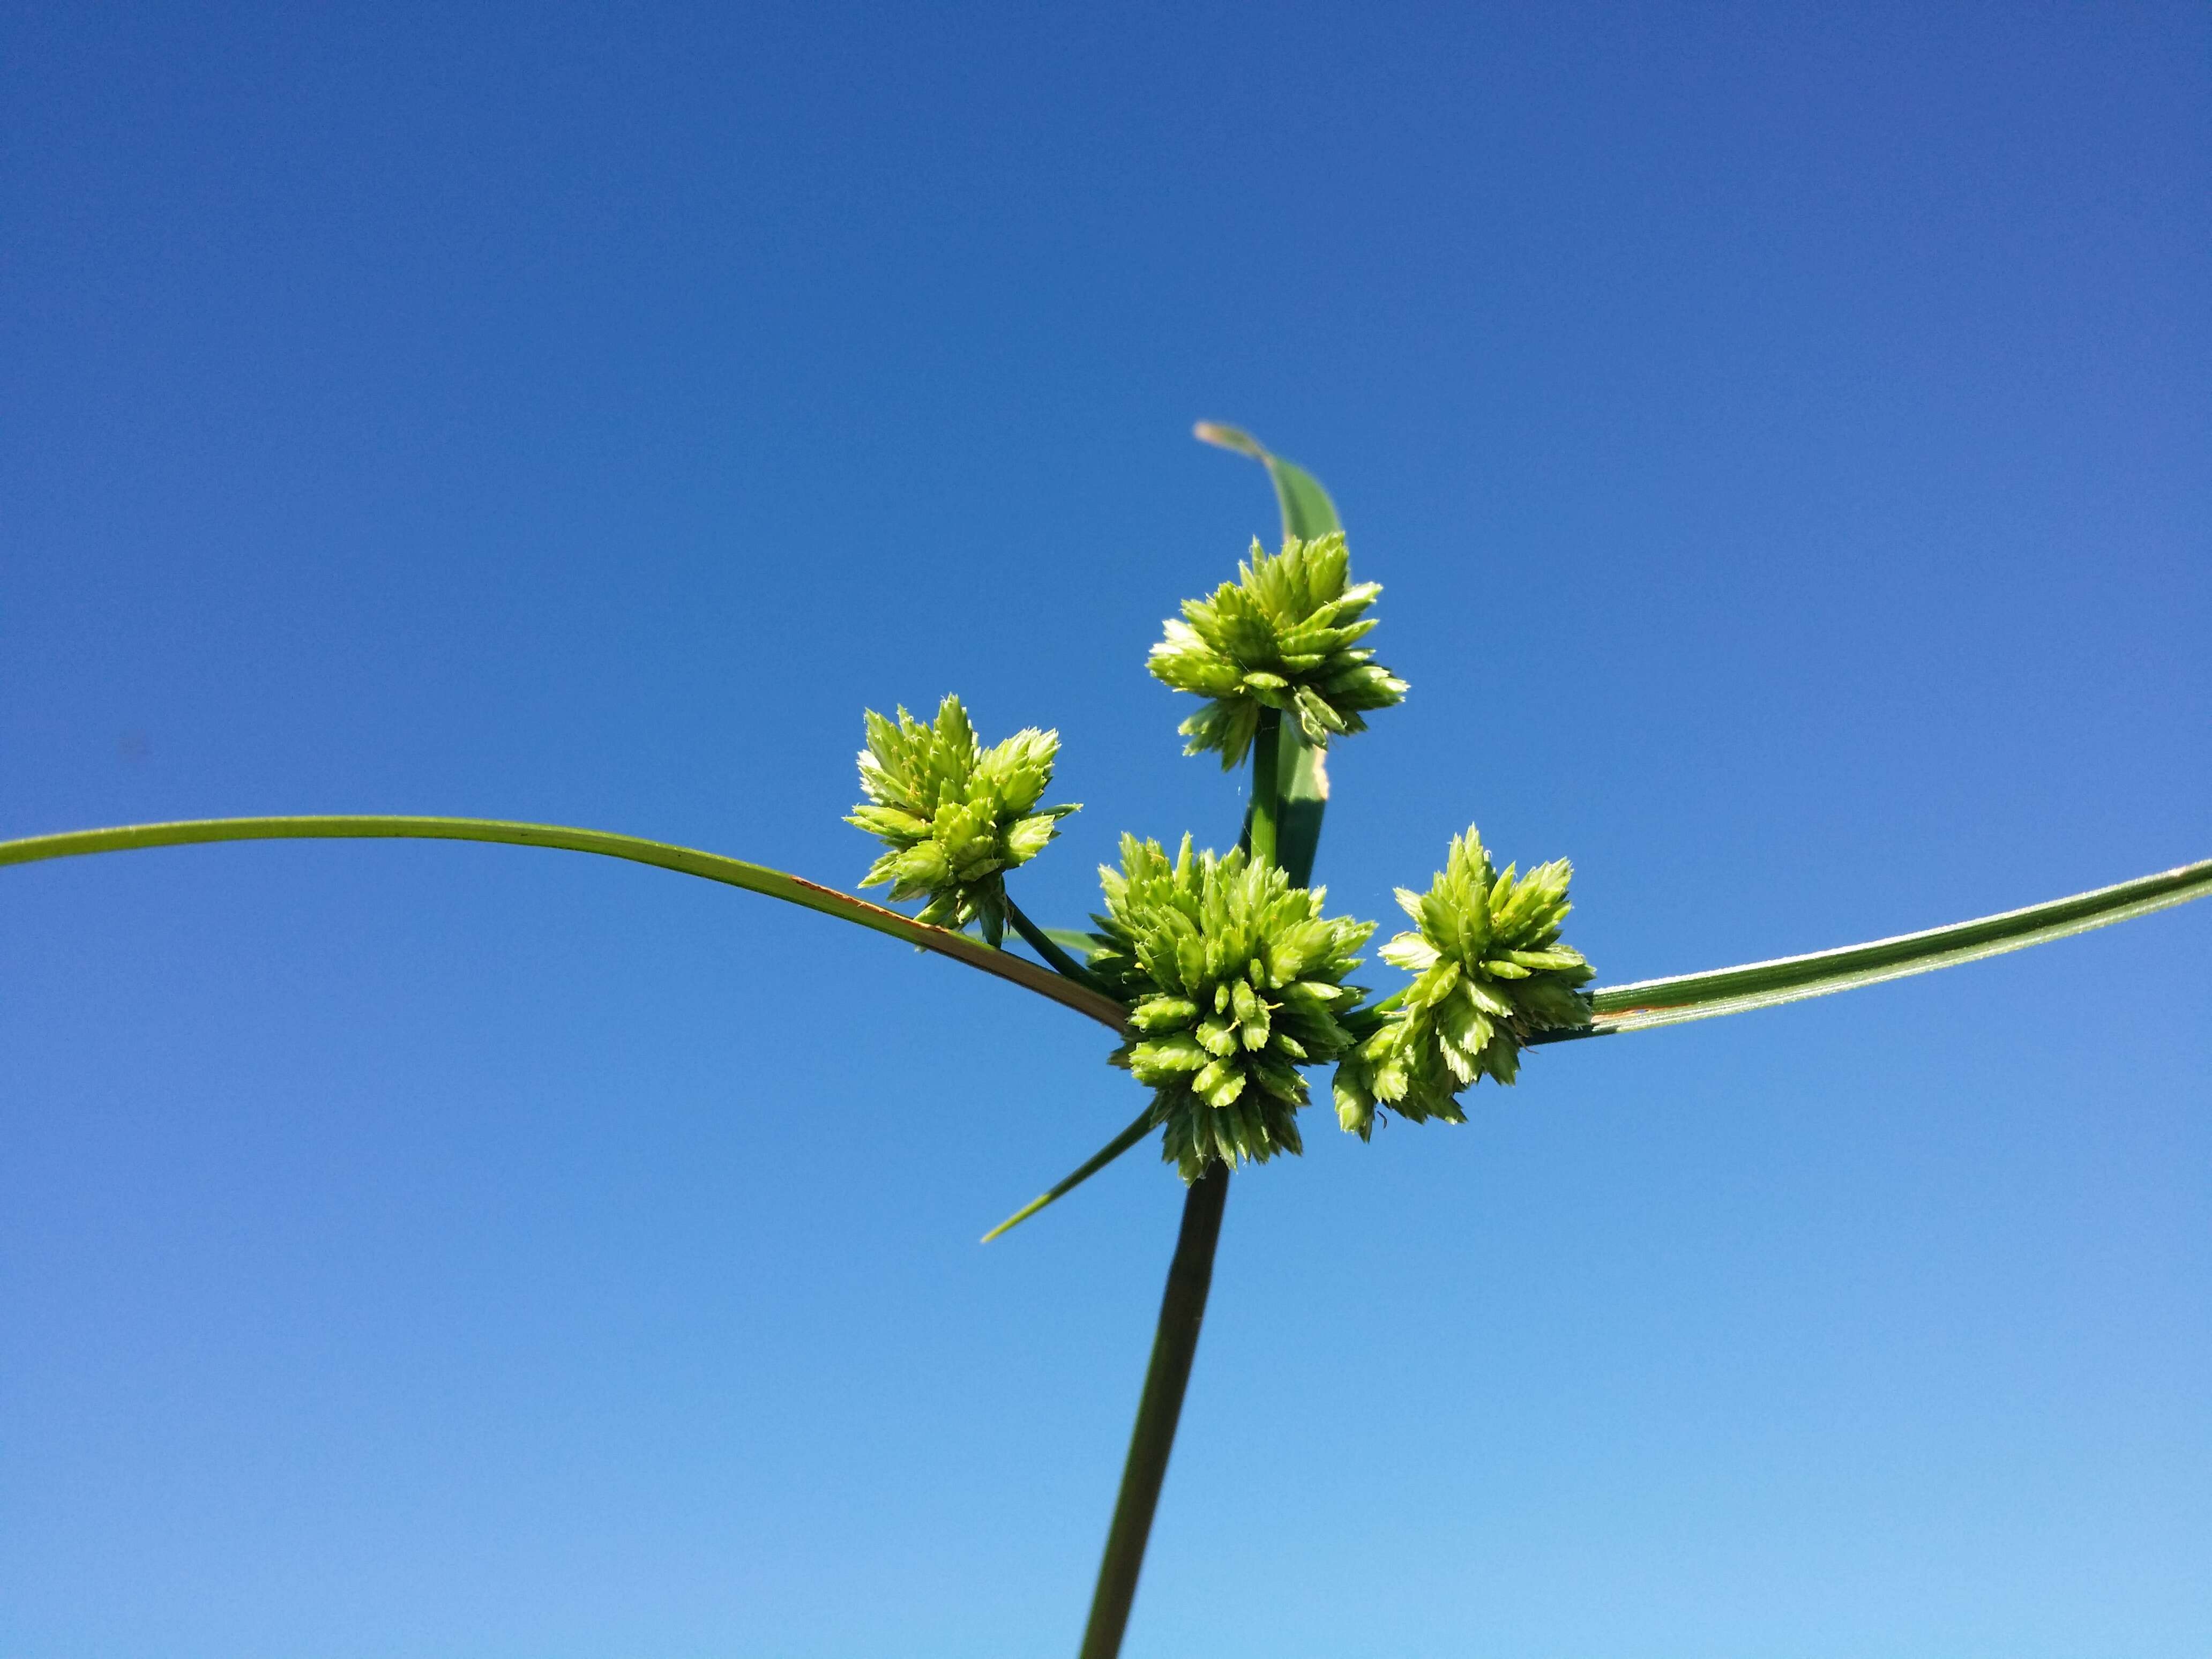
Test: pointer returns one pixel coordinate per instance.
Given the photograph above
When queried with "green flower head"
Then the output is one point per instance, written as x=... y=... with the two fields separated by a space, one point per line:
x=1282 y=636
x=1489 y=972
x=1234 y=980
x=955 y=815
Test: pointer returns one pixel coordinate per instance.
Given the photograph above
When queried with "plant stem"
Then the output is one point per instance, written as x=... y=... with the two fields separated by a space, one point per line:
x=1040 y=942
x=1182 y=1309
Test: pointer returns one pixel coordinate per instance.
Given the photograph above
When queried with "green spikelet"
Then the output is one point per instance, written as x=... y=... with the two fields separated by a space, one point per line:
x=1234 y=980
x=1489 y=971
x=955 y=816
x=1284 y=636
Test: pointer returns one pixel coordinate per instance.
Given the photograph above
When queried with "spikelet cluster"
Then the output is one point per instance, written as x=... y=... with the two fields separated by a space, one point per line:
x=1284 y=636
x=1489 y=972
x=955 y=816
x=1234 y=980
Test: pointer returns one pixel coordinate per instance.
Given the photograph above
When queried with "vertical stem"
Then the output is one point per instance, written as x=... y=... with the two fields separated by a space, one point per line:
x=1182 y=1309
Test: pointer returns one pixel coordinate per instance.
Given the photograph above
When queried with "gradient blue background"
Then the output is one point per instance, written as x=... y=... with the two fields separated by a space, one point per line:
x=1783 y=435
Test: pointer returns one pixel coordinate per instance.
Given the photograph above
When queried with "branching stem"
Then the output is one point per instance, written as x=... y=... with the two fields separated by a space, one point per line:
x=1055 y=959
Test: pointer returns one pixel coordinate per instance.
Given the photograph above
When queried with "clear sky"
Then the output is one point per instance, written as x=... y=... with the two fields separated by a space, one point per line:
x=1783 y=436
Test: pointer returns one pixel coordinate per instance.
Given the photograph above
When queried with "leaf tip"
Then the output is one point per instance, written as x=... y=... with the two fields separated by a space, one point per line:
x=1228 y=437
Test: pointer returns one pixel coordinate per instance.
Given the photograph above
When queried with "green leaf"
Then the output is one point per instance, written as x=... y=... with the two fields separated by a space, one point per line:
x=1091 y=1166
x=1303 y=774
x=685 y=860
x=1308 y=512
x=1654 y=1002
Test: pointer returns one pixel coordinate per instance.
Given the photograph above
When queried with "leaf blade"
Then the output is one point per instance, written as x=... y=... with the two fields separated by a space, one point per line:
x=1646 y=1004
x=683 y=860
x=1308 y=512
x=1091 y=1166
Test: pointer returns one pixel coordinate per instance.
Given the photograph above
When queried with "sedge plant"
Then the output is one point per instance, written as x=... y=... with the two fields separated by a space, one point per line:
x=1226 y=982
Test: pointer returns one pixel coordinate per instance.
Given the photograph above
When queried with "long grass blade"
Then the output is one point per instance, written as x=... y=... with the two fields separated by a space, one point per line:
x=1654 y=1002
x=685 y=860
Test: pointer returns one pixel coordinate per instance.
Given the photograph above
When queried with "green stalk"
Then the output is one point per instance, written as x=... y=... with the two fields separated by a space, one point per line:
x=1040 y=942
x=1182 y=1310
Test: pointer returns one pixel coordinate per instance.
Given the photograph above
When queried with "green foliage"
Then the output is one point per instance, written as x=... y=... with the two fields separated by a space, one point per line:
x=1234 y=980
x=955 y=816
x=1283 y=636
x=1490 y=973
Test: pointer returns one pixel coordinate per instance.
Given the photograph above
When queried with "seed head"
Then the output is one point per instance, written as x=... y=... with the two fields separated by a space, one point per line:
x=955 y=815
x=1234 y=980
x=1283 y=636
x=1489 y=972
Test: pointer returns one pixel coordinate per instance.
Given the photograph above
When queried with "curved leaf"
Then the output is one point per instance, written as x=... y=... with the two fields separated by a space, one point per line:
x=685 y=860
x=1654 y=1002
x=1307 y=510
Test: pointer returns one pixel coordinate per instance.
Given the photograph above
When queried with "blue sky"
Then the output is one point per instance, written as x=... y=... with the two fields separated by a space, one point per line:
x=1781 y=435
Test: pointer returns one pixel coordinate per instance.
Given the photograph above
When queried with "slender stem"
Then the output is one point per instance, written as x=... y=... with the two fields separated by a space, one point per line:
x=1266 y=792
x=1182 y=1309
x=1055 y=959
